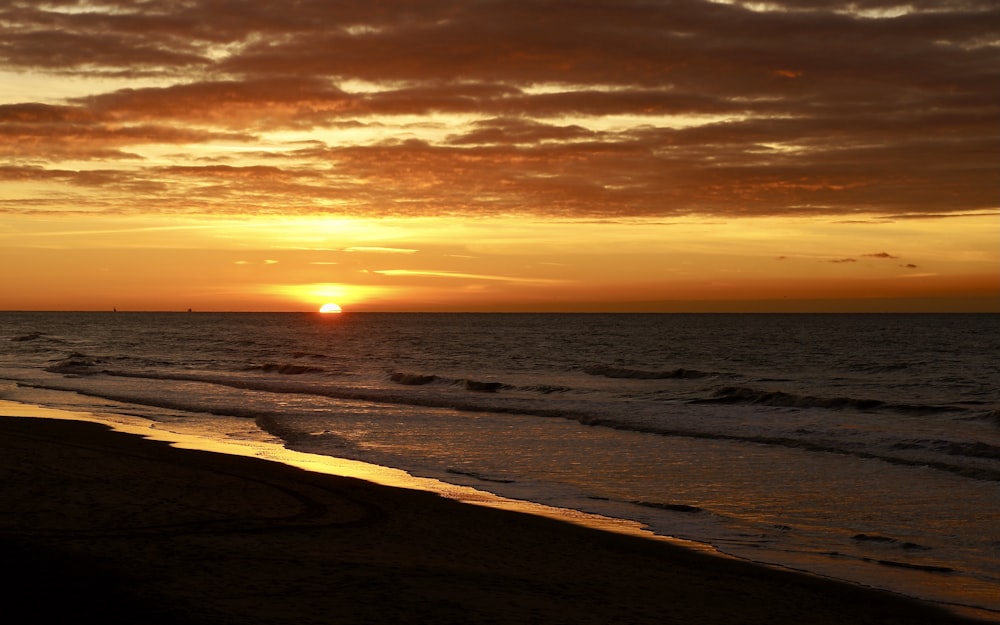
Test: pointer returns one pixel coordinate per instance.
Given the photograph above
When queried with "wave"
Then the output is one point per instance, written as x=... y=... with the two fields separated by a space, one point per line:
x=412 y=379
x=991 y=416
x=805 y=444
x=419 y=379
x=975 y=460
x=77 y=364
x=976 y=449
x=479 y=476
x=545 y=389
x=424 y=379
x=608 y=371
x=888 y=540
x=671 y=507
x=882 y=368
x=780 y=399
x=484 y=387
x=927 y=568
x=31 y=336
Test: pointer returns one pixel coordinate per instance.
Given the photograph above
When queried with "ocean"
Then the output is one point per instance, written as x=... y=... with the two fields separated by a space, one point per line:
x=859 y=447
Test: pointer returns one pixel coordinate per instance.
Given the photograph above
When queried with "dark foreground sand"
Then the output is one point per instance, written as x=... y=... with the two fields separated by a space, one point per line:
x=98 y=526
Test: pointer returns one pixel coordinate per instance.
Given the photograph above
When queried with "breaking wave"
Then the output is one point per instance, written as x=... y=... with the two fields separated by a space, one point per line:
x=77 y=364
x=641 y=374
x=971 y=459
x=751 y=396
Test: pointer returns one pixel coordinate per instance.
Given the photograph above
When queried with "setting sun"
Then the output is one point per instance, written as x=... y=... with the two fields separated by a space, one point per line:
x=330 y=308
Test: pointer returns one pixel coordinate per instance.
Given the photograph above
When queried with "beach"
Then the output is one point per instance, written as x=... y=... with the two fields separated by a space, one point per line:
x=98 y=524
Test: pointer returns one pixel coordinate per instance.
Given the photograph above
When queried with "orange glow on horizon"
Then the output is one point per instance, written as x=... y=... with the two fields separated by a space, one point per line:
x=93 y=263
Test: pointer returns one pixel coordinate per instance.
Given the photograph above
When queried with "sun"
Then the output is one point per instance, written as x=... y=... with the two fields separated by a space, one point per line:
x=330 y=307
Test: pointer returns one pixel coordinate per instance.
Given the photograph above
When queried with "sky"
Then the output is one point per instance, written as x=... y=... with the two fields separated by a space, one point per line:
x=500 y=155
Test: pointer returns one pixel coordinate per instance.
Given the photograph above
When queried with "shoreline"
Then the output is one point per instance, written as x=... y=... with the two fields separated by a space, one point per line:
x=154 y=532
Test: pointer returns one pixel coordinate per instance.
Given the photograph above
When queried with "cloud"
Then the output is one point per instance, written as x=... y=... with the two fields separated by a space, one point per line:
x=67 y=42
x=59 y=132
x=411 y=273
x=880 y=255
x=599 y=109
x=844 y=260
x=520 y=131
x=280 y=102
x=943 y=215
x=381 y=250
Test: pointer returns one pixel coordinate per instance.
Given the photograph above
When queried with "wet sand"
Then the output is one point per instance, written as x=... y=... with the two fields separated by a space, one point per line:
x=101 y=525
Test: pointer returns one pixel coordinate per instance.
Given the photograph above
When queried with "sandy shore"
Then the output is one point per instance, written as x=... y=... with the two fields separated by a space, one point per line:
x=111 y=527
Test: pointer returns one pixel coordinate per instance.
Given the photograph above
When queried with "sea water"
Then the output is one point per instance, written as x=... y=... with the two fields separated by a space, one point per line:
x=860 y=447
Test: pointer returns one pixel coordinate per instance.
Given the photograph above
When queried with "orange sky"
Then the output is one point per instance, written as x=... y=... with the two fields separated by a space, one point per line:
x=619 y=155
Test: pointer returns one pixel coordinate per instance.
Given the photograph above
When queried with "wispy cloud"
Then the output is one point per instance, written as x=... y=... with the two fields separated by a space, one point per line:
x=381 y=250
x=467 y=276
